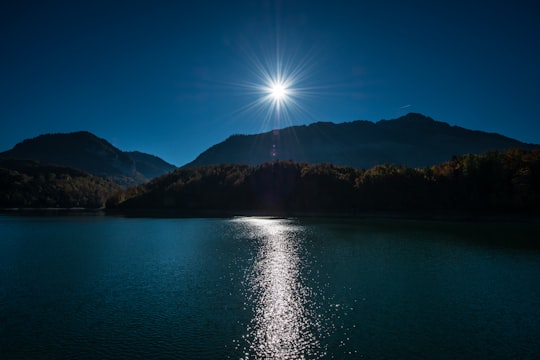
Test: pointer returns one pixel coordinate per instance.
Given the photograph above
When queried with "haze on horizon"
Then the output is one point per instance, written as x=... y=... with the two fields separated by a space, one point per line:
x=172 y=79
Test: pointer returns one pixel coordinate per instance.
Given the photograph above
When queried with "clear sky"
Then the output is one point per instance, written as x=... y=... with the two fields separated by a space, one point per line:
x=172 y=78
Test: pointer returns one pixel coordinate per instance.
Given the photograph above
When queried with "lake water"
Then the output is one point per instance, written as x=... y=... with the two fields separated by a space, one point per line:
x=261 y=288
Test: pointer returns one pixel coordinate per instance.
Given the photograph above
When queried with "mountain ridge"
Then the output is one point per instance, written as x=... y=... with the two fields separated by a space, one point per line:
x=84 y=150
x=413 y=140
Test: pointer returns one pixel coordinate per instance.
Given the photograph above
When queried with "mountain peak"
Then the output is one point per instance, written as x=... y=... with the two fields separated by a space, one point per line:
x=84 y=150
x=415 y=116
x=411 y=118
x=414 y=140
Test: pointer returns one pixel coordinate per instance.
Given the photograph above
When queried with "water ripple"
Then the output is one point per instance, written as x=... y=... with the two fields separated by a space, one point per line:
x=284 y=324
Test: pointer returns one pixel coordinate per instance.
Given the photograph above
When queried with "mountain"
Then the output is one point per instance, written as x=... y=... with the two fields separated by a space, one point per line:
x=413 y=140
x=85 y=151
x=30 y=184
x=150 y=166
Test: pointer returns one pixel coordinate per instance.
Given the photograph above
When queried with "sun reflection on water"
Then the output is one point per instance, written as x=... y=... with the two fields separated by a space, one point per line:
x=283 y=326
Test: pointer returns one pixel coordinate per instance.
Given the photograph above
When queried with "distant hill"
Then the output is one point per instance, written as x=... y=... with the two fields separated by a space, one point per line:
x=412 y=140
x=498 y=181
x=85 y=151
x=29 y=184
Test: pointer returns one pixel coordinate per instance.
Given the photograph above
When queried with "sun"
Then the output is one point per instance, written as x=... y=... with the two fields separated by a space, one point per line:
x=280 y=84
x=278 y=91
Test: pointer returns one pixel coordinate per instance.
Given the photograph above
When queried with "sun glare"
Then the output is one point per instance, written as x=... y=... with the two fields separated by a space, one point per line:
x=280 y=82
x=278 y=91
x=281 y=85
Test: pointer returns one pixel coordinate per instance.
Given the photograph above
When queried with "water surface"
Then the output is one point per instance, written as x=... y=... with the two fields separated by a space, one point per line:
x=259 y=288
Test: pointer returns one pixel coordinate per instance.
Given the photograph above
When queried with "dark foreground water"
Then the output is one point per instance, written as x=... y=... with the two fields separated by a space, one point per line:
x=255 y=288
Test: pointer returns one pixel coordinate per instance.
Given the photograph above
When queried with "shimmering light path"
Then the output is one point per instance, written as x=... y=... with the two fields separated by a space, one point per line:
x=284 y=325
x=94 y=286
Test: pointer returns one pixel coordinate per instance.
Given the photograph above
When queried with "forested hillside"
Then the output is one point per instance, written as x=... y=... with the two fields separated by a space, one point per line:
x=506 y=181
x=29 y=184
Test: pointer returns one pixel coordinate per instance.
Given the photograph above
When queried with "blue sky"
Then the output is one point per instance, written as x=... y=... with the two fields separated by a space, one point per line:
x=172 y=78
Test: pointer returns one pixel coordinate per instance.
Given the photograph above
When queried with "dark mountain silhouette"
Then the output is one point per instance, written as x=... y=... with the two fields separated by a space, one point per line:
x=413 y=140
x=30 y=184
x=85 y=151
x=150 y=166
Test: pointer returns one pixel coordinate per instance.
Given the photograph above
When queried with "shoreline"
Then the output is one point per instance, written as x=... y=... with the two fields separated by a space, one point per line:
x=447 y=216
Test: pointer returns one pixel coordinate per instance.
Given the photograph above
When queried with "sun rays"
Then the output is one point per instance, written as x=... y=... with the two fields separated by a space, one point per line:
x=278 y=88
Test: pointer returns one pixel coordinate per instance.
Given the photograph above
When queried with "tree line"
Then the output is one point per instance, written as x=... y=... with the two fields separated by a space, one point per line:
x=30 y=184
x=507 y=181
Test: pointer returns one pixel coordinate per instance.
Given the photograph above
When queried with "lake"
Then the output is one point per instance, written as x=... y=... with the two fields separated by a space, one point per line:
x=96 y=286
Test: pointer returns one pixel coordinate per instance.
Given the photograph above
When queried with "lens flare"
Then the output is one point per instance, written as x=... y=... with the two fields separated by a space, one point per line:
x=282 y=86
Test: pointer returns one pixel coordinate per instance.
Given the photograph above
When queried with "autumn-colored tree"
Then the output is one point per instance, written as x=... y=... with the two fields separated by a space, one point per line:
x=493 y=181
